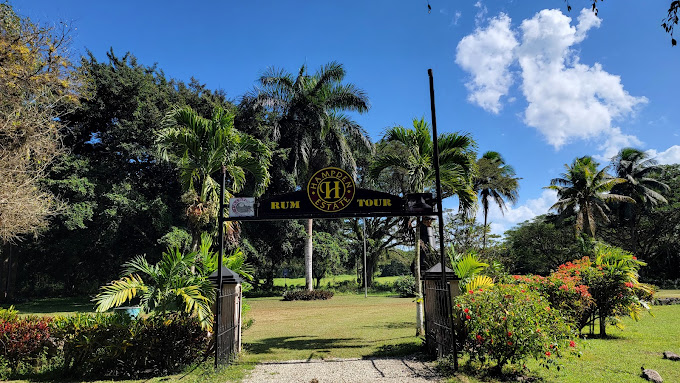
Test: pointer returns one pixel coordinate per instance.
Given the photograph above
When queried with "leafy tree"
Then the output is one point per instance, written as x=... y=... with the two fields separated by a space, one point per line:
x=457 y=168
x=495 y=182
x=200 y=148
x=308 y=120
x=583 y=192
x=120 y=199
x=540 y=245
x=331 y=253
x=634 y=166
x=39 y=85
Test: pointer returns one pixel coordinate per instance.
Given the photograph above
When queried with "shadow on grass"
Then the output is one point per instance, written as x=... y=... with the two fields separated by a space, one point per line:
x=56 y=305
x=311 y=343
x=392 y=325
x=395 y=350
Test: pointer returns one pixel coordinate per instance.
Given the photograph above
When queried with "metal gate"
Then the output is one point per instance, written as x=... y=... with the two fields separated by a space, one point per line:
x=439 y=336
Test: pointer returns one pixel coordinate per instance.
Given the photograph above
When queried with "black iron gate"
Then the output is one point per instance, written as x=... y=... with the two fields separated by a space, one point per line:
x=439 y=333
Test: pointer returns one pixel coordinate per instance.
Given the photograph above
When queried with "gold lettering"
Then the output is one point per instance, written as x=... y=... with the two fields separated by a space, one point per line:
x=275 y=206
x=295 y=204
x=387 y=202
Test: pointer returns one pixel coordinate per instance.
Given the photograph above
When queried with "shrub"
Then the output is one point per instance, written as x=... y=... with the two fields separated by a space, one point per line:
x=306 y=295
x=565 y=290
x=405 y=286
x=25 y=340
x=509 y=323
x=117 y=346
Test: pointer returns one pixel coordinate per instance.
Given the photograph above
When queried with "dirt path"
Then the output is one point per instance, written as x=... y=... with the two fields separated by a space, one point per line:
x=387 y=370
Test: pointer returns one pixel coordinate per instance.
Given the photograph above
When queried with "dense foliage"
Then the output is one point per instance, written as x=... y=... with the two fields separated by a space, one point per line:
x=307 y=295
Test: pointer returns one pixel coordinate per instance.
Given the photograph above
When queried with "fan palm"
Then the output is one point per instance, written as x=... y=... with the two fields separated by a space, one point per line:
x=169 y=285
x=457 y=168
x=495 y=181
x=634 y=166
x=200 y=147
x=309 y=120
x=584 y=191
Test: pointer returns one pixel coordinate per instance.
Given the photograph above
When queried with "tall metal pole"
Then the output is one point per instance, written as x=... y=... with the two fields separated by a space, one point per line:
x=218 y=301
x=440 y=215
x=365 y=273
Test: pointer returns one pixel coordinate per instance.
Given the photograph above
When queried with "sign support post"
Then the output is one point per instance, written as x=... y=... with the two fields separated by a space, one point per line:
x=440 y=212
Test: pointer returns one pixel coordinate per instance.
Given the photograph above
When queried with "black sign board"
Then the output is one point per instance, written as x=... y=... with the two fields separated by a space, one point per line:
x=331 y=193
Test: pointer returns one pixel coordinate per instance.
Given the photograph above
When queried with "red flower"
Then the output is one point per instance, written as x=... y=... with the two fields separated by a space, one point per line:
x=572 y=343
x=635 y=258
x=467 y=317
x=509 y=333
x=471 y=292
x=503 y=318
x=547 y=353
x=509 y=343
x=522 y=290
x=466 y=310
x=629 y=284
x=479 y=337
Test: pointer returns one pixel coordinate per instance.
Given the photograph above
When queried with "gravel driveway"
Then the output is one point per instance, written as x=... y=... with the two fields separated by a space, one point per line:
x=344 y=371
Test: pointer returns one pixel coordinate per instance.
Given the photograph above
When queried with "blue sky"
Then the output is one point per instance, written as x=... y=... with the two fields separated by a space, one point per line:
x=539 y=85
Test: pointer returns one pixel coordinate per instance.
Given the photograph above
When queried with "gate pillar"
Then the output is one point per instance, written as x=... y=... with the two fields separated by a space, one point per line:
x=439 y=323
x=227 y=331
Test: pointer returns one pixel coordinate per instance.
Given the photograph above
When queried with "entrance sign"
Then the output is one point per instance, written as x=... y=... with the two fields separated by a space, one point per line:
x=331 y=193
x=331 y=190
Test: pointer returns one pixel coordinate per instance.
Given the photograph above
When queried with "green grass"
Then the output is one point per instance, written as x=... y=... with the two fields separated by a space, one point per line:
x=55 y=306
x=280 y=282
x=667 y=294
x=345 y=326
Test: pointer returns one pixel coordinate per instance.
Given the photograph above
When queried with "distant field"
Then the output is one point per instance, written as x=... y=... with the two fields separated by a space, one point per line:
x=668 y=294
x=325 y=281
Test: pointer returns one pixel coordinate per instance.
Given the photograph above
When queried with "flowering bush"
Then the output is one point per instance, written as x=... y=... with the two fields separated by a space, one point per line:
x=565 y=290
x=24 y=340
x=510 y=323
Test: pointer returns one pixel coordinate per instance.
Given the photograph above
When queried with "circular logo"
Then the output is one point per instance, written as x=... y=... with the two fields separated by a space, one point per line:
x=331 y=189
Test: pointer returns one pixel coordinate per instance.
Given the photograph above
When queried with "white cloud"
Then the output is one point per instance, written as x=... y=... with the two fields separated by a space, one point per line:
x=481 y=13
x=567 y=100
x=456 y=17
x=514 y=215
x=615 y=142
x=668 y=156
x=487 y=54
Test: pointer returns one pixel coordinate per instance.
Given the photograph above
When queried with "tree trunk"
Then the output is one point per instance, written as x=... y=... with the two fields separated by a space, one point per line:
x=485 y=229
x=420 y=331
x=603 y=327
x=8 y=273
x=308 y=257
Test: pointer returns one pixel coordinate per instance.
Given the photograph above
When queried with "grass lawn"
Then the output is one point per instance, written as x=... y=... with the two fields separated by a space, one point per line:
x=346 y=326
x=332 y=279
x=667 y=294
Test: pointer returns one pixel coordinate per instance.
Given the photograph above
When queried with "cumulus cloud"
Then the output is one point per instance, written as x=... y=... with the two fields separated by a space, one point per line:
x=614 y=143
x=667 y=157
x=487 y=54
x=514 y=215
x=566 y=99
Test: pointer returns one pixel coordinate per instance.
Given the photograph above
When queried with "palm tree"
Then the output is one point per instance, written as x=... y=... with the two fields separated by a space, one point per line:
x=495 y=181
x=635 y=166
x=309 y=120
x=200 y=147
x=169 y=285
x=457 y=167
x=583 y=191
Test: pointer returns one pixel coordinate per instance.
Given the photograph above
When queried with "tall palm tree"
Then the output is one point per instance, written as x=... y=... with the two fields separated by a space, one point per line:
x=584 y=191
x=308 y=119
x=495 y=181
x=457 y=168
x=635 y=166
x=200 y=147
